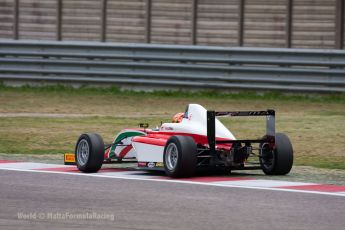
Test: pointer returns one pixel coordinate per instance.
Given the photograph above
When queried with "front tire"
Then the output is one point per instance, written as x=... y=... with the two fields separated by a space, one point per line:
x=279 y=160
x=89 y=152
x=180 y=156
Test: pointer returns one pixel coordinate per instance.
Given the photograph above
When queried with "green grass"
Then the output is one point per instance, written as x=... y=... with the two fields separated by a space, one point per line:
x=55 y=135
x=315 y=123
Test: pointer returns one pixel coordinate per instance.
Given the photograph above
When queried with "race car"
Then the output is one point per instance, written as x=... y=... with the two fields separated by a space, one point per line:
x=195 y=140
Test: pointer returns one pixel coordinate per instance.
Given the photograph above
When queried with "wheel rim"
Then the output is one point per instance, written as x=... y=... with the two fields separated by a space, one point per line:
x=267 y=157
x=171 y=156
x=83 y=152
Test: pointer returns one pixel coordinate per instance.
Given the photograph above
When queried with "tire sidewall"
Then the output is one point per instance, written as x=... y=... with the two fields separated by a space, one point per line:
x=186 y=151
x=96 y=152
x=82 y=137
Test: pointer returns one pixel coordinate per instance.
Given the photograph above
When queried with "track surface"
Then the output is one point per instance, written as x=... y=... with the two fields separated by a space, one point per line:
x=158 y=205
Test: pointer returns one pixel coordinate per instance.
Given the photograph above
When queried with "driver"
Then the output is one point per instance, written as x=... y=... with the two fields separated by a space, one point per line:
x=177 y=118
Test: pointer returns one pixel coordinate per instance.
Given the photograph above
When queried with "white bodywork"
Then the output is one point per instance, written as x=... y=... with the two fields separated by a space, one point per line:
x=148 y=153
x=194 y=122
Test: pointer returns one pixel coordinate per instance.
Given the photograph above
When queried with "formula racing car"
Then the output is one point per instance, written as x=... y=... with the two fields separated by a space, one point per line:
x=195 y=140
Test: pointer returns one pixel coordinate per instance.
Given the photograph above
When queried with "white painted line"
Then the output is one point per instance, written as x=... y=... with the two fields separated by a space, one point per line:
x=341 y=193
x=262 y=183
x=177 y=181
x=31 y=165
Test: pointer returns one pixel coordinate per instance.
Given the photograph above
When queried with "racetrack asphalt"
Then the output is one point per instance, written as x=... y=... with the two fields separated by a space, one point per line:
x=158 y=205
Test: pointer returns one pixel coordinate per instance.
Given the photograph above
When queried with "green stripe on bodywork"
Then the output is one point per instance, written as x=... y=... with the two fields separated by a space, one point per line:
x=122 y=136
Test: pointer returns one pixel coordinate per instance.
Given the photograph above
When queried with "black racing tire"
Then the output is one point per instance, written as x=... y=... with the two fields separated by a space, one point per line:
x=89 y=152
x=280 y=160
x=184 y=147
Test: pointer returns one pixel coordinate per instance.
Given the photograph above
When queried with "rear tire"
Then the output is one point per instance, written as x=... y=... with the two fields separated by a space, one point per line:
x=278 y=161
x=89 y=152
x=180 y=156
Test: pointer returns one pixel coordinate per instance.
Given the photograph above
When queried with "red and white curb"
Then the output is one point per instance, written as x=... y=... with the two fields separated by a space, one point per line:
x=220 y=181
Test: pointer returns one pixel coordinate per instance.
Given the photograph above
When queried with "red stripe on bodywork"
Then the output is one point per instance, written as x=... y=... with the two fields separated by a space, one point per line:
x=106 y=154
x=125 y=150
x=150 y=140
x=8 y=161
x=317 y=187
x=199 y=139
x=160 y=138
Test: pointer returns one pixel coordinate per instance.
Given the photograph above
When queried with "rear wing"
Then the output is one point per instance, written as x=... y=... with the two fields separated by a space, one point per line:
x=211 y=127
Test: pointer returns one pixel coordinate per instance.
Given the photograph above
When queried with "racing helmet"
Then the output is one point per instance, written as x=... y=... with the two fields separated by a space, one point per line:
x=177 y=118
